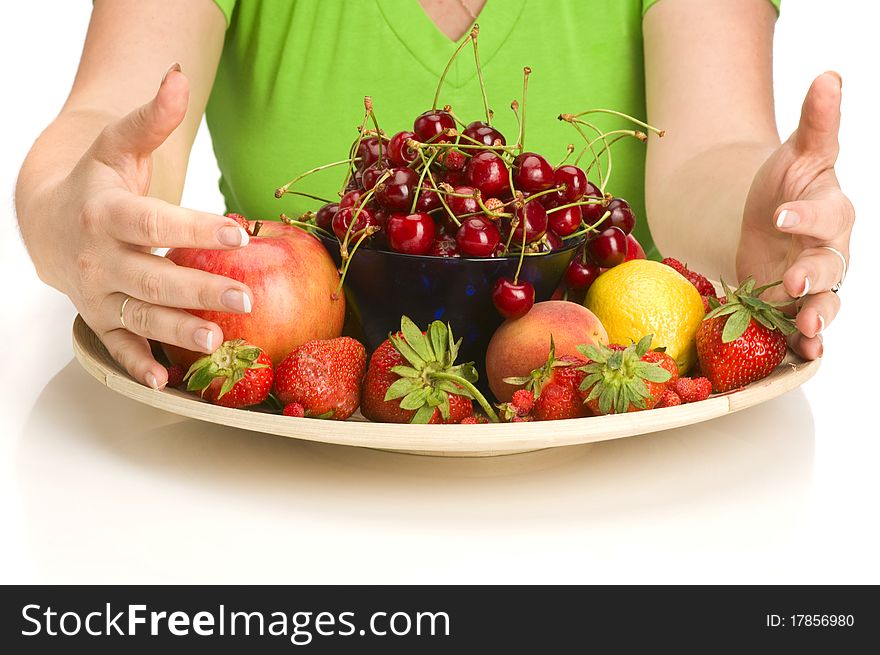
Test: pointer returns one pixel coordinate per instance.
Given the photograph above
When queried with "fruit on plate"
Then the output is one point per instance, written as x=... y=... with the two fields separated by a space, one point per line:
x=413 y=378
x=293 y=282
x=646 y=297
x=691 y=390
x=324 y=377
x=743 y=340
x=699 y=281
x=520 y=346
x=555 y=389
x=618 y=381
x=237 y=374
x=634 y=249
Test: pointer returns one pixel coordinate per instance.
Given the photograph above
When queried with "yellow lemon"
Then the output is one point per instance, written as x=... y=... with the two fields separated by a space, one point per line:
x=642 y=297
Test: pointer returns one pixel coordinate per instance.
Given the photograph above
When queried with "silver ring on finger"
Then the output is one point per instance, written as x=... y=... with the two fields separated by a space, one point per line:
x=837 y=286
x=122 y=312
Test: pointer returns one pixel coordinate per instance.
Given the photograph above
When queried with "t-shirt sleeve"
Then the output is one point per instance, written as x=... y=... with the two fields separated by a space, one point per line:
x=647 y=4
x=226 y=6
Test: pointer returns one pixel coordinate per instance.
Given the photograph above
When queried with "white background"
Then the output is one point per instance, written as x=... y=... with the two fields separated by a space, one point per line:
x=95 y=488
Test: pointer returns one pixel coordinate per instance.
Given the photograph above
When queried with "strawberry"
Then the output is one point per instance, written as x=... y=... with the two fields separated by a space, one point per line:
x=175 y=376
x=702 y=284
x=667 y=362
x=412 y=377
x=554 y=388
x=294 y=409
x=237 y=374
x=618 y=381
x=453 y=160
x=522 y=401
x=692 y=390
x=742 y=340
x=323 y=376
x=473 y=420
x=668 y=399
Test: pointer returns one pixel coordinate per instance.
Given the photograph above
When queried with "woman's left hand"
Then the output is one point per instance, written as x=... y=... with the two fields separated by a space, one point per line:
x=797 y=222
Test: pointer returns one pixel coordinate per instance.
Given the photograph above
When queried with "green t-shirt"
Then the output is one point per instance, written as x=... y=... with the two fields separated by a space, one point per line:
x=293 y=73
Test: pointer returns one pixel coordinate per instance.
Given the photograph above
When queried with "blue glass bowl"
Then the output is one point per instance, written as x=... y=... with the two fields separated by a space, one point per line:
x=382 y=286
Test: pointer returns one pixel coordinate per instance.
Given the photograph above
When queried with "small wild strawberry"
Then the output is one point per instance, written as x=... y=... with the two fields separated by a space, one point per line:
x=294 y=409
x=692 y=390
x=742 y=340
x=175 y=376
x=668 y=399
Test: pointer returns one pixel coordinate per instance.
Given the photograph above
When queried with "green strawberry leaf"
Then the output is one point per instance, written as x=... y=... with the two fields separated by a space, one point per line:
x=423 y=415
x=406 y=371
x=414 y=399
x=590 y=352
x=401 y=388
x=416 y=340
x=644 y=344
x=467 y=370
x=438 y=338
x=450 y=387
x=202 y=378
x=444 y=408
x=228 y=383
x=736 y=325
x=651 y=371
x=407 y=351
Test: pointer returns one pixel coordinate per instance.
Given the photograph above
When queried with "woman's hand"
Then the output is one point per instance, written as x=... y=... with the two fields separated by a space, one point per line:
x=796 y=219
x=95 y=229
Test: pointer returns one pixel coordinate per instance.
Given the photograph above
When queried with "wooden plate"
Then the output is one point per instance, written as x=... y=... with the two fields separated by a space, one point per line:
x=443 y=440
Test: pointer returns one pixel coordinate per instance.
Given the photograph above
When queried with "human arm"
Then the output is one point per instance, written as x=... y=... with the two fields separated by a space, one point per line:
x=719 y=180
x=99 y=187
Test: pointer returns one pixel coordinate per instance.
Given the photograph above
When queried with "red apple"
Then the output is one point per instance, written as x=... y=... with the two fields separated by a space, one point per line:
x=634 y=249
x=293 y=282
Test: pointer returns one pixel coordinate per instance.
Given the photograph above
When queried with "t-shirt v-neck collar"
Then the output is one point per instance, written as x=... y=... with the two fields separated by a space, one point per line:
x=423 y=39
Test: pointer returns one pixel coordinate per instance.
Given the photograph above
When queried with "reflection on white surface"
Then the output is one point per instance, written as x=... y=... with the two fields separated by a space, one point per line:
x=110 y=485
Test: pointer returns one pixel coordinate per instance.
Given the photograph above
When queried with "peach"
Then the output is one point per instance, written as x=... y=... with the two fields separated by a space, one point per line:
x=521 y=345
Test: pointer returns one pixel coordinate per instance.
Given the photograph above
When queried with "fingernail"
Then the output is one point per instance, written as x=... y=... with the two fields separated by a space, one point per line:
x=787 y=219
x=821 y=324
x=237 y=301
x=204 y=339
x=233 y=236
x=806 y=287
x=151 y=381
x=173 y=67
x=821 y=347
x=837 y=75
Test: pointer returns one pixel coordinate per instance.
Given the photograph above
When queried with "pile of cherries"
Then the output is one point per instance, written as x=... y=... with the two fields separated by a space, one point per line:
x=450 y=189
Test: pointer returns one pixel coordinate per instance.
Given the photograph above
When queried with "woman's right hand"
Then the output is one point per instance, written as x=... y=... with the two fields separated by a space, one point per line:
x=100 y=226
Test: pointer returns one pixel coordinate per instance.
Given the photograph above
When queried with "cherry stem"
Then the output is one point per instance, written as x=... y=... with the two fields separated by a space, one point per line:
x=521 y=139
x=307 y=195
x=589 y=228
x=592 y=200
x=622 y=134
x=522 y=254
x=660 y=133
x=425 y=169
x=304 y=225
x=513 y=225
x=343 y=248
x=368 y=105
x=544 y=193
x=446 y=70
x=437 y=189
x=448 y=110
x=354 y=149
x=280 y=191
x=568 y=151
x=473 y=391
x=368 y=232
x=474 y=32
x=577 y=125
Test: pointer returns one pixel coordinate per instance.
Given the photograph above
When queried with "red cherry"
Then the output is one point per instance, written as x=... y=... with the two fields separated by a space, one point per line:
x=581 y=274
x=428 y=199
x=592 y=212
x=343 y=219
x=621 y=215
x=372 y=173
x=324 y=217
x=399 y=153
x=445 y=246
x=396 y=191
x=412 y=234
x=533 y=219
x=487 y=172
x=462 y=206
x=451 y=177
x=368 y=151
x=351 y=199
x=354 y=182
x=431 y=123
x=513 y=299
x=574 y=181
x=634 y=249
x=477 y=237
x=608 y=248
x=565 y=221
x=554 y=242
x=532 y=173
x=484 y=133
